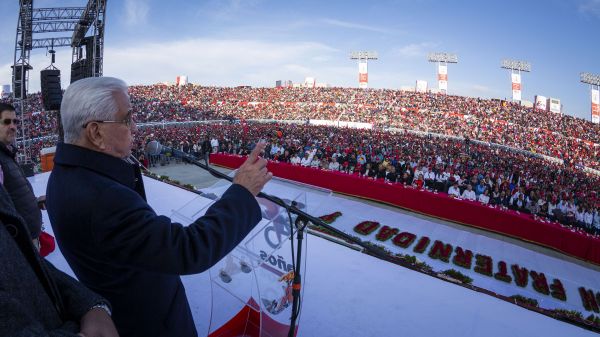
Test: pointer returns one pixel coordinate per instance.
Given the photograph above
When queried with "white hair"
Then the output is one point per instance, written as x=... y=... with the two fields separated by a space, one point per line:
x=89 y=99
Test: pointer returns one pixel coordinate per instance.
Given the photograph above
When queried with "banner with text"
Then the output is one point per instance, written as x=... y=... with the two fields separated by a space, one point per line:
x=516 y=86
x=443 y=78
x=595 y=106
x=540 y=102
x=363 y=75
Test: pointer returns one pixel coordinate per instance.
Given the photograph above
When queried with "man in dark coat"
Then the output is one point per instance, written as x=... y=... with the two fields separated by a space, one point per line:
x=113 y=240
x=206 y=148
x=13 y=178
x=36 y=299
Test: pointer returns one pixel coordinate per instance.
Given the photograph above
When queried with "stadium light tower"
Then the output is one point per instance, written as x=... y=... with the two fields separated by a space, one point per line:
x=363 y=57
x=516 y=67
x=442 y=60
x=594 y=82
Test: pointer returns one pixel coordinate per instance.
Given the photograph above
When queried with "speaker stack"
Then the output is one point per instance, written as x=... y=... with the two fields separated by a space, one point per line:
x=51 y=91
x=20 y=72
x=80 y=70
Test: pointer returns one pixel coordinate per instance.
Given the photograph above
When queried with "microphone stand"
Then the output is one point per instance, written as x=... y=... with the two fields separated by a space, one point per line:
x=302 y=220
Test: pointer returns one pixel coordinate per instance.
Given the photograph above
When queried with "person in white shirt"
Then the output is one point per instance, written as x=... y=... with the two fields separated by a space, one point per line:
x=440 y=180
x=516 y=195
x=295 y=160
x=454 y=191
x=596 y=221
x=484 y=197
x=334 y=165
x=308 y=157
x=457 y=178
x=571 y=213
x=429 y=177
x=469 y=194
x=214 y=143
x=274 y=150
x=562 y=206
x=551 y=207
x=315 y=163
x=588 y=219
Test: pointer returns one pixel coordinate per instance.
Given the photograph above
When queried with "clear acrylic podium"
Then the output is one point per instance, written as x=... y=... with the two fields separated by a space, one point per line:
x=251 y=286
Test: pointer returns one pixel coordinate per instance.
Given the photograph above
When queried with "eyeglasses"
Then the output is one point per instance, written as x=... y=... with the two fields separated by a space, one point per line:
x=128 y=120
x=8 y=121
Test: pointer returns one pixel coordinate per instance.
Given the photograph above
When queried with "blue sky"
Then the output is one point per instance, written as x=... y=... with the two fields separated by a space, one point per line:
x=256 y=42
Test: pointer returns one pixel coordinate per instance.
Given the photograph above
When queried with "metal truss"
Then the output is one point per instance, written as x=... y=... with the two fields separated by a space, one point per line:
x=59 y=13
x=53 y=26
x=51 y=42
x=79 y=20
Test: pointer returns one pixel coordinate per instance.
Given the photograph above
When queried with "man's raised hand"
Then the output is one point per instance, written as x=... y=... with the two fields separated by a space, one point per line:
x=253 y=173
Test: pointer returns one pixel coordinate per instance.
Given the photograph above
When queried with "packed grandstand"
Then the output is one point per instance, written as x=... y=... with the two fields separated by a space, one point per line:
x=487 y=150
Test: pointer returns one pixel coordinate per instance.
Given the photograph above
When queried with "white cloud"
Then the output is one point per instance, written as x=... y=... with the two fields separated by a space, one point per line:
x=590 y=7
x=414 y=50
x=136 y=12
x=227 y=9
x=218 y=62
x=352 y=25
x=481 y=88
x=211 y=62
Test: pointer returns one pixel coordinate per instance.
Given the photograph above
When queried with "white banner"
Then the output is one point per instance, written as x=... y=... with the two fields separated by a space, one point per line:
x=554 y=105
x=443 y=77
x=516 y=86
x=363 y=74
x=181 y=80
x=540 y=102
x=595 y=106
x=309 y=82
x=421 y=86
x=354 y=125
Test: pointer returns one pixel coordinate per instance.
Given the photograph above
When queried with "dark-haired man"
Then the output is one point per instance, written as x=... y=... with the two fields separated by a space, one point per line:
x=13 y=177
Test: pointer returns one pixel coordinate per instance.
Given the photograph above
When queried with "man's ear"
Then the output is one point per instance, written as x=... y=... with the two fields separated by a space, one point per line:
x=95 y=135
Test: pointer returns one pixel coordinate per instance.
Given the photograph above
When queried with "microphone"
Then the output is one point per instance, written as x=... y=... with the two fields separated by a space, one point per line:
x=134 y=161
x=153 y=148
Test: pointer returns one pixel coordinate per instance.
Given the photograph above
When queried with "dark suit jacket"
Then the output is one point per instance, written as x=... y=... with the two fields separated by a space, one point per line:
x=36 y=299
x=119 y=247
x=20 y=191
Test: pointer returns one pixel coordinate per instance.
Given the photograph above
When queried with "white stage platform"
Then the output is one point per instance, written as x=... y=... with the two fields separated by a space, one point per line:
x=348 y=293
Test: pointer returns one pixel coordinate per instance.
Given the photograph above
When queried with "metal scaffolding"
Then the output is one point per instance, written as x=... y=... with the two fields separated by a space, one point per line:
x=87 y=27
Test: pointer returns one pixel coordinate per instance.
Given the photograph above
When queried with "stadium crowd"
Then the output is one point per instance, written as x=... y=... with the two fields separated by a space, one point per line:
x=574 y=140
x=459 y=167
x=463 y=169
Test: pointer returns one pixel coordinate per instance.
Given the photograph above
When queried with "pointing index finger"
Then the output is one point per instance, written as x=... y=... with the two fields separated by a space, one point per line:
x=256 y=152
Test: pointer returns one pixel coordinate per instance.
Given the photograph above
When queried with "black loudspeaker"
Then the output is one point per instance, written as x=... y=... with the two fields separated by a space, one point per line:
x=51 y=91
x=27 y=169
x=80 y=69
x=17 y=76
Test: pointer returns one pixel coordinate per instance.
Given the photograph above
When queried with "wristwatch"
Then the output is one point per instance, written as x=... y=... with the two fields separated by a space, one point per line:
x=104 y=307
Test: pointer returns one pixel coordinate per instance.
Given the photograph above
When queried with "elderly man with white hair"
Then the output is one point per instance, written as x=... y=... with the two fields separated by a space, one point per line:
x=112 y=239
